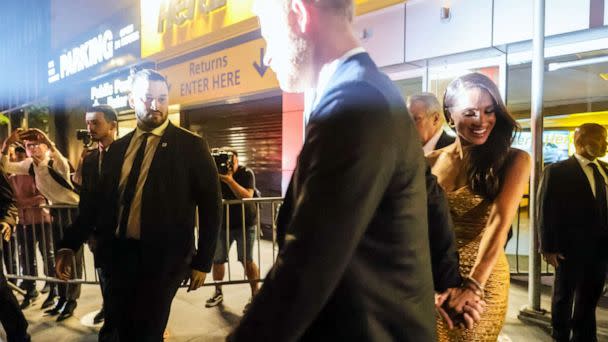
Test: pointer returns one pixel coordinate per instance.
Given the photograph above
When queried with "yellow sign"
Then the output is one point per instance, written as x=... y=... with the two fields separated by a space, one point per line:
x=169 y=23
x=225 y=74
x=366 y=6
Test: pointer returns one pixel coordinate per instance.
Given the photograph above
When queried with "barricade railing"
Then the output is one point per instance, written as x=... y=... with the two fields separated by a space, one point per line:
x=30 y=254
x=517 y=248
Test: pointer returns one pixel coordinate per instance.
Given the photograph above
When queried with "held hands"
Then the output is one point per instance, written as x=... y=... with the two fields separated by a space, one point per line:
x=553 y=259
x=197 y=279
x=460 y=307
x=64 y=259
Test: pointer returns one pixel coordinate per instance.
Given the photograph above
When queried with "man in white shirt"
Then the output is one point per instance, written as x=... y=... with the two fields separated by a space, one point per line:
x=426 y=112
x=51 y=171
x=574 y=233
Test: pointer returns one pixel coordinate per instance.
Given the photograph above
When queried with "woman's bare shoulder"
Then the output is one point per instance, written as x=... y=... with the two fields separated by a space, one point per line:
x=519 y=160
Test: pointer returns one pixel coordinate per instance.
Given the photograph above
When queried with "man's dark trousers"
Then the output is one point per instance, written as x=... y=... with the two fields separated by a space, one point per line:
x=11 y=317
x=62 y=219
x=578 y=280
x=141 y=320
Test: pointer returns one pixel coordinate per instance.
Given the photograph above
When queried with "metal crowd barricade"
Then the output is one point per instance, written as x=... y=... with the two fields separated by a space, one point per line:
x=521 y=223
x=30 y=255
x=42 y=236
x=267 y=210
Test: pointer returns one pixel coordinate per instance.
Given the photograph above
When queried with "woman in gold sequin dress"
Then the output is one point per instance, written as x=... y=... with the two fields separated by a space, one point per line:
x=484 y=180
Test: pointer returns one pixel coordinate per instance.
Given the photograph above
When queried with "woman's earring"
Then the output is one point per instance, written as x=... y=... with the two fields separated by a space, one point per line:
x=451 y=123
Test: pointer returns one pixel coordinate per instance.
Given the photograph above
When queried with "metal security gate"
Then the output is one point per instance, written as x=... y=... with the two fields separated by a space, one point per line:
x=254 y=129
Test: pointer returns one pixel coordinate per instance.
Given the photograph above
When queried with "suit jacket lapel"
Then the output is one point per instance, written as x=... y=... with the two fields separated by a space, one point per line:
x=161 y=155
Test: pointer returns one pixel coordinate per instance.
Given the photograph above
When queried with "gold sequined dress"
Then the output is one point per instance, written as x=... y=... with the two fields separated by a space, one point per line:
x=470 y=214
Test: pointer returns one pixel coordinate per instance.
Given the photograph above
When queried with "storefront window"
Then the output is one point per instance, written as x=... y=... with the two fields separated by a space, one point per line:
x=575 y=92
x=409 y=86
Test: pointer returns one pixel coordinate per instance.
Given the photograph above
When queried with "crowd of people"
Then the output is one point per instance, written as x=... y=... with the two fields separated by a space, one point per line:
x=381 y=239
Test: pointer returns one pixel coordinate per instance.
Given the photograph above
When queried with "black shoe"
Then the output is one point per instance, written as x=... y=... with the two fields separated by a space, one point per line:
x=68 y=310
x=46 y=288
x=217 y=298
x=99 y=317
x=28 y=299
x=57 y=308
x=49 y=301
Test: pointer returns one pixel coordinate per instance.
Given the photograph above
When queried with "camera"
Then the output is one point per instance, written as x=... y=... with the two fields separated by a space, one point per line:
x=223 y=160
x=84 y=136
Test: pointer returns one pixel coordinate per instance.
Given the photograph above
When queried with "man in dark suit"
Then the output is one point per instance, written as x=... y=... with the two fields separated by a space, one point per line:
x=355 y=263
x=11 y=317
x=427 y=115
x=574 y=233
x=102 y=125
x=152 y=180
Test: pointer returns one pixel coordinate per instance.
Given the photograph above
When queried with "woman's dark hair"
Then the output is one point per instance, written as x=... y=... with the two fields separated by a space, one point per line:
x=484 y=164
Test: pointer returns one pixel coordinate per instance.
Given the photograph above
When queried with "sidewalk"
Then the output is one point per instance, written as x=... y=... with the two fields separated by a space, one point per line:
x=190 y=321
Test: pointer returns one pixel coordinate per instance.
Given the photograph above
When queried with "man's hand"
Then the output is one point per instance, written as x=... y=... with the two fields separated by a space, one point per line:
x=463 y=307
x=35 y=134
x=64 y=259
x=7 y=231
x=553 y=258
x=440 y=298
x=197 y=279
x=227 y=178
x=13 y=138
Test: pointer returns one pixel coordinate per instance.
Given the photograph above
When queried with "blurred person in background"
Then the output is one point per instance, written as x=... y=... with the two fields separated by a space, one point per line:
x=427 y=115
x=237 y=183
x=574 y=233
x=11 y=316
x=51 y=172
x=34 y=229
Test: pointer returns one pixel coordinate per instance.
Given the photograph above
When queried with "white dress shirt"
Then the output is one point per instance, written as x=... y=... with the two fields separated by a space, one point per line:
x=584 y=163
x=430 y=145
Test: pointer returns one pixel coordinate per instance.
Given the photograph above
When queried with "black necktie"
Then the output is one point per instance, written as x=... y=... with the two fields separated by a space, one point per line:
x=100 y=160
x=600 y=193
x=129 y=192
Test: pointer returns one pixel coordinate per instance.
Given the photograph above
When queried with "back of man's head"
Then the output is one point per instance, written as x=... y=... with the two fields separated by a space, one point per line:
x=341 y=8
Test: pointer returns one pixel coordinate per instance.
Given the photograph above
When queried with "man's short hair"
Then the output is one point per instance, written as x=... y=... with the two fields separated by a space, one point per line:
x=149 y=75
x=344 y=8
x=586 y=129
x=109 y=113
x=429 y=100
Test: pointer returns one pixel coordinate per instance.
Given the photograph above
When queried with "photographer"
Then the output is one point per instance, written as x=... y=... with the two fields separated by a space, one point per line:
x=51 y=171
x=238 y=182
